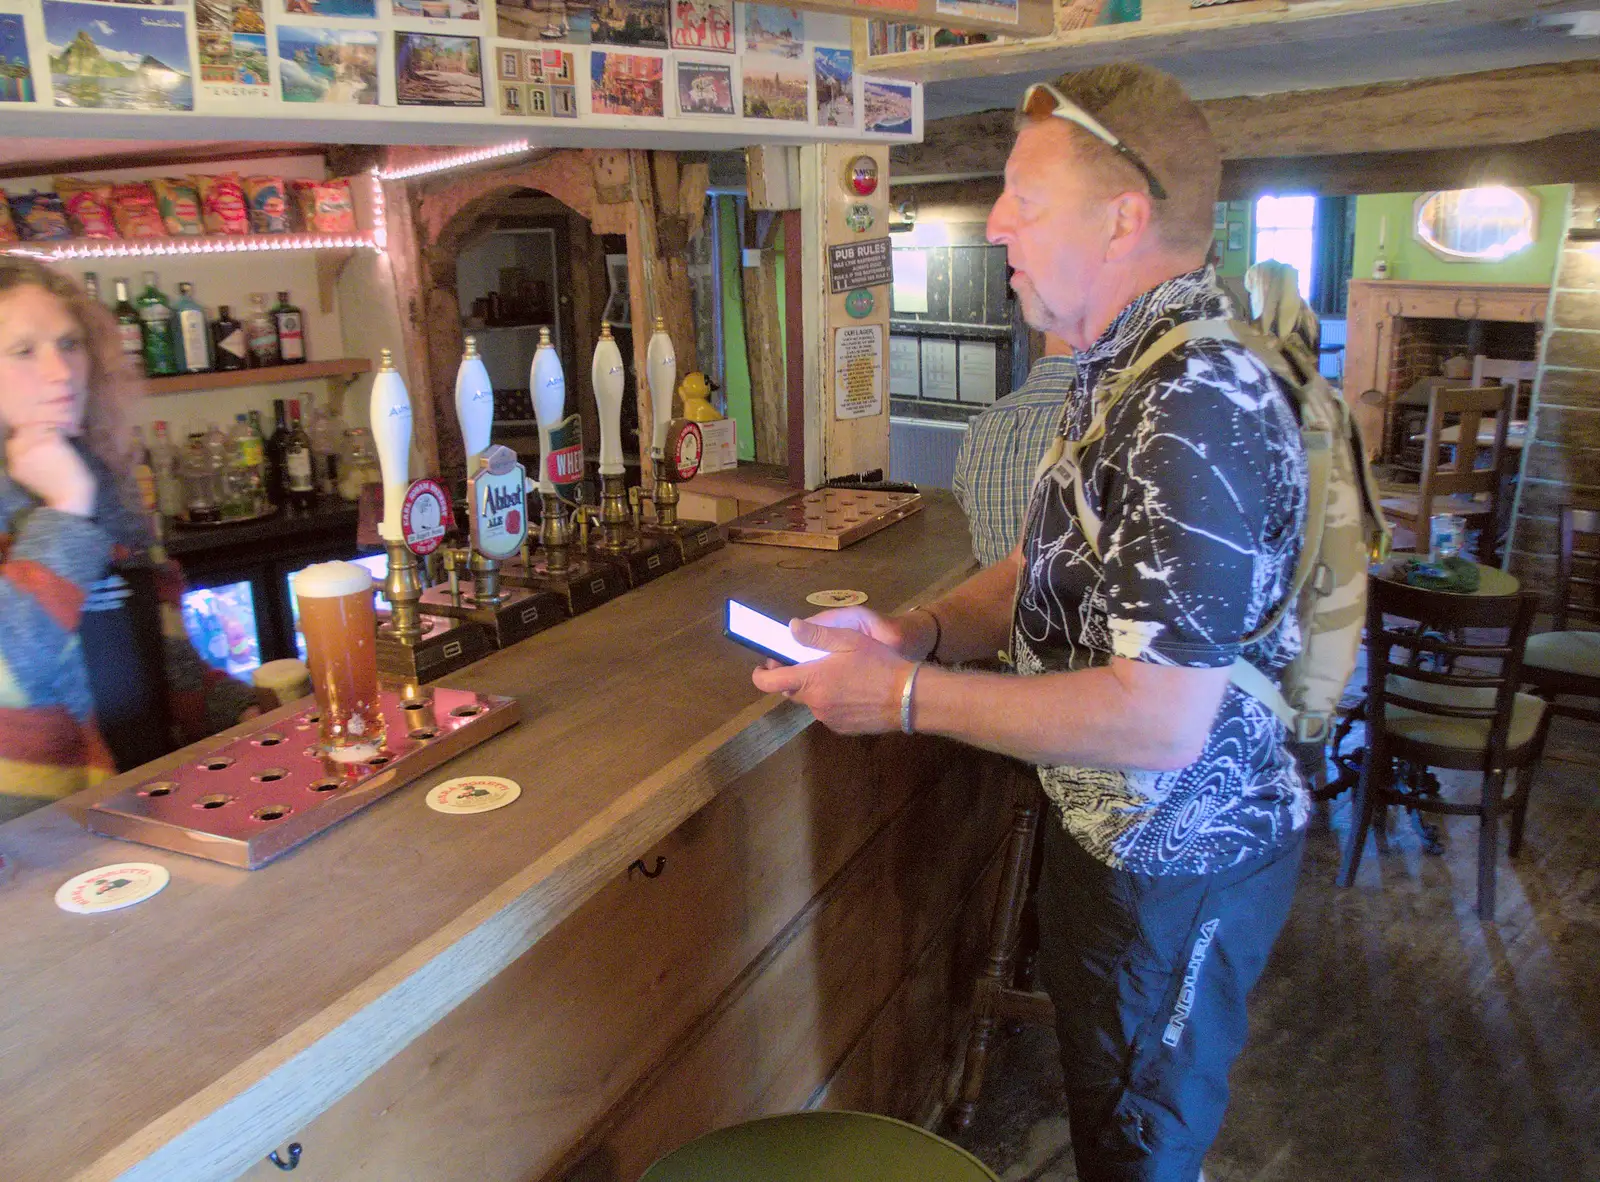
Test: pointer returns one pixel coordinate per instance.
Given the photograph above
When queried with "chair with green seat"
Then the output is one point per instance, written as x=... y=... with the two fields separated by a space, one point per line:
x=820 y=1147
x=1450 y=701
x=1565 y=662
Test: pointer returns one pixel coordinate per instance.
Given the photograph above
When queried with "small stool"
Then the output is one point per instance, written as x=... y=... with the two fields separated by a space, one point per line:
x=277 y=683
x=820 y=1147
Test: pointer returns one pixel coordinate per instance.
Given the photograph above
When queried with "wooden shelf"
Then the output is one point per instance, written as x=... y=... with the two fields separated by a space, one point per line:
x=1220 y=32
x=272 y=375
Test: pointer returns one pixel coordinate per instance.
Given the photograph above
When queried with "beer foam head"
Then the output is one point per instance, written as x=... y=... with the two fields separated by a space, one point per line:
x=329 y=580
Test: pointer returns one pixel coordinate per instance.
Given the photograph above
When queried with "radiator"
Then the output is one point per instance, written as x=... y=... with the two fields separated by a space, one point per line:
x=923 y=451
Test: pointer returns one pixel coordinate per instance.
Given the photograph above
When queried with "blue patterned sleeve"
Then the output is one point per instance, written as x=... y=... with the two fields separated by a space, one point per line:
x=1201 y=480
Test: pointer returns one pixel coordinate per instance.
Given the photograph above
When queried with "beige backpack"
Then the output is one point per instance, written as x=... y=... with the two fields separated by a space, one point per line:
x=1345 y=530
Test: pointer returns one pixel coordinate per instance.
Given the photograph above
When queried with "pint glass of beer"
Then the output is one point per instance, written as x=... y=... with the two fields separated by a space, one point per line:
x=340 y=628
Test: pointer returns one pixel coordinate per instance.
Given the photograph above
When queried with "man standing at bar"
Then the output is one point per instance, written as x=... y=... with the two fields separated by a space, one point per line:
x=1178 y=813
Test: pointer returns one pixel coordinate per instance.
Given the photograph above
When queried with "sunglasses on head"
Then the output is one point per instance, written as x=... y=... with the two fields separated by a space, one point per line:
x=1041 y=100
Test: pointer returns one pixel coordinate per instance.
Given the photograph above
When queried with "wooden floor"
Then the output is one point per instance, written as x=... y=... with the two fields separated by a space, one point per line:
x=1394 y=1037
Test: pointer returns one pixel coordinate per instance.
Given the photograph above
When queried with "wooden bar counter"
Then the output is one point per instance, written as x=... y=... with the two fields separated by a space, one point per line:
x=415 y=996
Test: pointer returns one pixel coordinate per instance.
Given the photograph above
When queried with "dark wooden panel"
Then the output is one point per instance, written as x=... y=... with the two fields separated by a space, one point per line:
x=997 y=291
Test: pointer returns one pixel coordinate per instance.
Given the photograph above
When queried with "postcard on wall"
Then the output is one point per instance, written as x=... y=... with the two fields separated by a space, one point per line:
x=705 y=88
x=440 y=10
x=625 y=84
x=431 y=70
x=365 y=9
x=887 y=106
x=703 y=24
x=318 y=65
x=544 y=20
x=774 y=29
x=16 y=77
x=119 y=57
x=232 y=38
x=638 y=23
x=836 y=88
x=775 y=87
x=1004 y=11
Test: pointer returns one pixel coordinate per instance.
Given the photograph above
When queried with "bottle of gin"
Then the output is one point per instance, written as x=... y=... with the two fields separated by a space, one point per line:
x=160 y=333
x=261 y=333
x=130 y=330
x=227 y=335
x=291 y=327
x=194 y=335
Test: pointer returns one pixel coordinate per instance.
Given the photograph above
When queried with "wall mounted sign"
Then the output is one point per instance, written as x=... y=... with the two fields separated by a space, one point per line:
x=859 y=217
x=861 y=176
x=858 y=371
x=859 y=304
x=859 y=264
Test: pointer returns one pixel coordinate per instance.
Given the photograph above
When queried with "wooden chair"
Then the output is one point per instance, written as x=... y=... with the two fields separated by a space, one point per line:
x=1453 y=488
x=1566 y=662
x=1465 y=715
x=1000 y=994
x=1497 y=371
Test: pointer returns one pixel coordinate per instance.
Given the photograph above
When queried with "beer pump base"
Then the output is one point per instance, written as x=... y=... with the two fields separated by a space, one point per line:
x=521 y=614
x=586 y=583
x=642 y=558
x=445 y=646
x=694 y=539
x=279 y=790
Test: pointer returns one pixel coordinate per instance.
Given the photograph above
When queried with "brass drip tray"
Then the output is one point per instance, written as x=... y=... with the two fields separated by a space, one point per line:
x=261 y=794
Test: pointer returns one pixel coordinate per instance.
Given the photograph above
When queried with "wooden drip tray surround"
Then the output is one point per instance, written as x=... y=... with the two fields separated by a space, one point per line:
x=258 y=796
x=827 y=519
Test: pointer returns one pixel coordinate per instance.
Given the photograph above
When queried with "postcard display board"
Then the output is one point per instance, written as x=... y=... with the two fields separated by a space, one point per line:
x=646 y=73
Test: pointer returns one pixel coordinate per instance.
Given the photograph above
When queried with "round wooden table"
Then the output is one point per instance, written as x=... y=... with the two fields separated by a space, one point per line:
x=1491 y=579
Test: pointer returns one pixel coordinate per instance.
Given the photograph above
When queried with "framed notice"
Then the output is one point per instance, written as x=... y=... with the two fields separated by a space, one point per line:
x=858 y=371
x=976 y=365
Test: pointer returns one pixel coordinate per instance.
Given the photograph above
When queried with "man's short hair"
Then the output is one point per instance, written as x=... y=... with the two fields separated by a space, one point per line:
x=1147 y=109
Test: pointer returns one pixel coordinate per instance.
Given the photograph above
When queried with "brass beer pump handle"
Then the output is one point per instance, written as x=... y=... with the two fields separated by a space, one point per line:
x=403 y=589
x=486 y=580
x=553 y=534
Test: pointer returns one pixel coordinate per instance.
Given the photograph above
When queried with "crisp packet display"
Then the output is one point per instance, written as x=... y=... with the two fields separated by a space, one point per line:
x=179 y=202
x=8 y=228
x=324 y=207
x=133 y=203
x=40 y=217
x=269 y=206
x=88 y=205
x=222 y=204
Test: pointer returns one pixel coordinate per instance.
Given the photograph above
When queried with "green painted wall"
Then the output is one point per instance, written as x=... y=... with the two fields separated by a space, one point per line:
x=1409 y=259
x=736 y=362
x=1236 y=262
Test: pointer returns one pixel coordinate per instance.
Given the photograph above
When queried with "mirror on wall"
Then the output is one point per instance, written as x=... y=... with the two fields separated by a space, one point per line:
x=1485 y=224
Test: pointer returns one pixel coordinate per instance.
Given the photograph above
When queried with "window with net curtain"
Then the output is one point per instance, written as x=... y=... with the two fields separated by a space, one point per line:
x=1285 y=231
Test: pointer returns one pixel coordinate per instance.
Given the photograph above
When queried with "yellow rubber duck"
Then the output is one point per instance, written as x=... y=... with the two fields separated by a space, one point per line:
x=695 y=390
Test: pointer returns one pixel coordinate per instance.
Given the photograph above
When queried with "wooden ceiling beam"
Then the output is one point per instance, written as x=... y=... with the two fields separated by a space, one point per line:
x=1497 y=107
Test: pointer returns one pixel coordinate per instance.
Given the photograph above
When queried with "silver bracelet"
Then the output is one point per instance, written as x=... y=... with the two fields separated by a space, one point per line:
x=905 y=698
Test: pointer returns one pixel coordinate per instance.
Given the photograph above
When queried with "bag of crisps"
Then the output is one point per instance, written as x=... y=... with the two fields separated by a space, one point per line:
x=324 y=207
x=179 y=201
x=88 y=206
x=222 y=205
x=133 y=204
x=40 y=217
x=269 y=207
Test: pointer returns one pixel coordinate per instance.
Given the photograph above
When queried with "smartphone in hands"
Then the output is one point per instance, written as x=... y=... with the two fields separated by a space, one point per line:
x=767 y=636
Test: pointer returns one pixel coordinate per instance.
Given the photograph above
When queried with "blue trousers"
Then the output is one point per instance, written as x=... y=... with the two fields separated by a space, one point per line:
x=1149 y=975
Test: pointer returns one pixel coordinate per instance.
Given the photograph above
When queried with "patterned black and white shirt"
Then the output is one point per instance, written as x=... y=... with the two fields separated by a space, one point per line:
x=1200 y=487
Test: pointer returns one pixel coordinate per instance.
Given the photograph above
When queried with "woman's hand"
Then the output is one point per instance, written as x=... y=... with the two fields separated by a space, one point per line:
x=39 y=457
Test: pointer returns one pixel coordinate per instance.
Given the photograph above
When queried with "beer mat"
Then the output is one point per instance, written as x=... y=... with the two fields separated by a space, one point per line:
x=111 y=888
x=839 y=598
x=824 y=519
x=473 y=794
x=369 y=514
